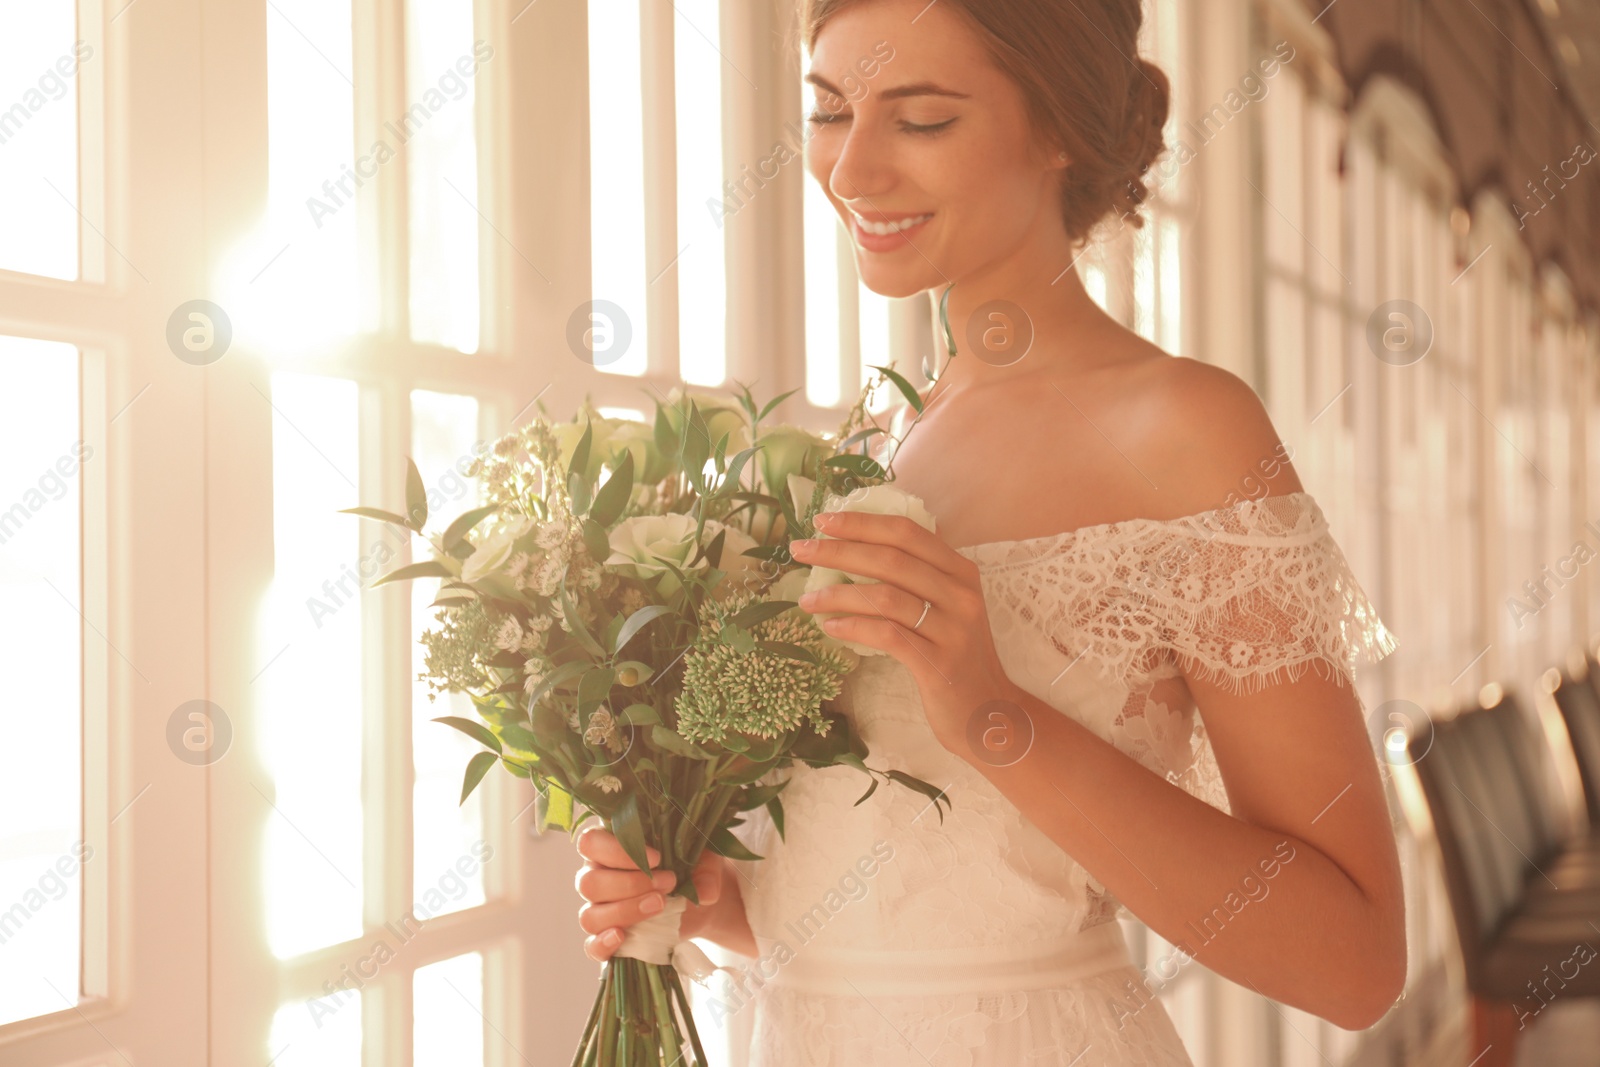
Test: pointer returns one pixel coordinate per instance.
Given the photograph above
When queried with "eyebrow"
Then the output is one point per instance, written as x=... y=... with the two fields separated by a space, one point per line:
x=899 y=91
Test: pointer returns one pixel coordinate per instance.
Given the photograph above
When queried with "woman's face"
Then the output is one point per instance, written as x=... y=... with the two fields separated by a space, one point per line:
x=912 y=121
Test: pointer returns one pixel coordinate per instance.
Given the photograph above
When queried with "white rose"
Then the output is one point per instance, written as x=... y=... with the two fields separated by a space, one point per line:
x=637 y=541
x=744 y=572
x=875 y=500
x=493 y=552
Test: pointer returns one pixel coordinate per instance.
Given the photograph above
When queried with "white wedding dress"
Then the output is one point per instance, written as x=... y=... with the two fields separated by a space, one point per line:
x=890 y=938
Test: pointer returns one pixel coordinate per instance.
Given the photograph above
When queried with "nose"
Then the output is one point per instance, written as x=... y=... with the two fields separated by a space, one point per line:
x=863 y=168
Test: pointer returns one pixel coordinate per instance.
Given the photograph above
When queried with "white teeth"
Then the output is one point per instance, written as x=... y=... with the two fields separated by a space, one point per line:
x=884 y=229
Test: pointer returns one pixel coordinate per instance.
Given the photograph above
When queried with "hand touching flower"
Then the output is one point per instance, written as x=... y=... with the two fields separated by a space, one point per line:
x=951 y=654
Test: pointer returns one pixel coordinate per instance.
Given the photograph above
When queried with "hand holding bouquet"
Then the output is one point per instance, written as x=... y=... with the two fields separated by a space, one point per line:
x=622 y=611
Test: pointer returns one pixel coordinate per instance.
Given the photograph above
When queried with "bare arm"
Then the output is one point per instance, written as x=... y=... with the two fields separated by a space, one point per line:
x=1298 y=897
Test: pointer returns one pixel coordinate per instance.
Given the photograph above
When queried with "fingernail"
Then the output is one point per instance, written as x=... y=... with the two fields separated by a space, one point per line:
x=651 y=903
x=665 y=879
x=612 y=938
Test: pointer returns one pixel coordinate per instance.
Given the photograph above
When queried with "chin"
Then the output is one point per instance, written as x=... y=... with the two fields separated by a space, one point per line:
x=901 y=283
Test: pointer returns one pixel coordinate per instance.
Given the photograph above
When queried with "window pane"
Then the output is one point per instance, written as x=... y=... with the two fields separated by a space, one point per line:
x=1169 y=285
x=616 y=190
x=310 y=680
x=702 y=264
x=823 y=355
x=325 y=1032
x=449 y=846
x=449 y=1013
x=1144 y=282
x=308 y=259
x=442 y=156
x=39 y=61
x=41 y=657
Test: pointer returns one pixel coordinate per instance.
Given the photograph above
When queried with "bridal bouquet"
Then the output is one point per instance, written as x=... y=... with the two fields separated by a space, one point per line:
x=622 y=611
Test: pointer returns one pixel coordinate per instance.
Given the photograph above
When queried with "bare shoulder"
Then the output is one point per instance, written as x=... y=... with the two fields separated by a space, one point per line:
x=1205 y=437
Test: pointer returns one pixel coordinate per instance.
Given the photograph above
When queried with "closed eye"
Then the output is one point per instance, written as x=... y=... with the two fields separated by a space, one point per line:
x=821 y=118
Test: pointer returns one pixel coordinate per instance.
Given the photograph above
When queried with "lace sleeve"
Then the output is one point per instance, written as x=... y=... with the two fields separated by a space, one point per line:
x=1255 y=594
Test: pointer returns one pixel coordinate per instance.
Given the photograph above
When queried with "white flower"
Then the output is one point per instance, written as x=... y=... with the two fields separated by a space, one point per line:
x=636 y=542
x=790 y=585
x=508 y=635
x=743 y=572
x=545 y=578
x=788 y=451
x=800 y=493
x=876 y=500
x=493 y=552
x=609 y=783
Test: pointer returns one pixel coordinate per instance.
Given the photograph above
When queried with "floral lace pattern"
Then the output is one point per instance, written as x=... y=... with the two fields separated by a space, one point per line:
x=1103 y=623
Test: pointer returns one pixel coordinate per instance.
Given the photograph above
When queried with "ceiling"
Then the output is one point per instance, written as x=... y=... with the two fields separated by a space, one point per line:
x=1574 y=31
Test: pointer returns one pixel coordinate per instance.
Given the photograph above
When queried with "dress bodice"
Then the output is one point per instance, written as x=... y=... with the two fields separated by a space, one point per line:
x=1104 y=624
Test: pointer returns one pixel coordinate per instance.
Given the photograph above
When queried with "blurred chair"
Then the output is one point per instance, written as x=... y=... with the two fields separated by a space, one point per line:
x=1523 y=887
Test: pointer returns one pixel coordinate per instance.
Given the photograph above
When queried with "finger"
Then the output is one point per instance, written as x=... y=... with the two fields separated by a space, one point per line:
x=901 y=642
x=602 y=947
x=879 y=599
x=602 y=885
x=594 y=918
x=885 y=562
x=602 y=847
x=707 y=877
x=899 y=531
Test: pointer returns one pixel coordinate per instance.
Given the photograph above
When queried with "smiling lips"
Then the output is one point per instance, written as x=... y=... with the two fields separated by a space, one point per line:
x=886 y=232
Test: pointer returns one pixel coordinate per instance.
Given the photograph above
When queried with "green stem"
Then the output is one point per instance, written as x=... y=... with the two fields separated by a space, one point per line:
x=688 y=1018
x=587 y=1041
x=608 y=1029
x=665 y=1024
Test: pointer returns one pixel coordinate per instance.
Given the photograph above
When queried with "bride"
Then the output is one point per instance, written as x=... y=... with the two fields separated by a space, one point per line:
x=1127 y=655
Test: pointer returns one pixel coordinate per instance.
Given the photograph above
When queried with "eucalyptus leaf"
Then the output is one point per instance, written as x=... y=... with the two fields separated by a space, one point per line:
x=573 y=623
x=430 y=568
x=629 y=832
x=594 y=687
x=790 y=650
x=756 y=614
x=560 y=674
x=477 y=767
x=464 y=523
x=580 y=455
x=596 y=540
x=416 y=498
x=905 y=387
x=614 y=495
x=636 y=622
x=861 y=466
x=774 y=402
x=871 y=789
x=518 y=737
x=475 y=730
x=374 y=513
x=775 y=809
x=673 y=742
x=640 y=715
x=554 y=808
x=723 y=843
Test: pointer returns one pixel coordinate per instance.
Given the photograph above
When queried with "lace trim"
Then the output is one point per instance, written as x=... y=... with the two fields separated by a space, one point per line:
x=1241 y=597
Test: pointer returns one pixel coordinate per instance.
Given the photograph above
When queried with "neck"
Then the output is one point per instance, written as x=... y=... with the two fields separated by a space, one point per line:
x=1026 y=301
